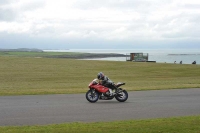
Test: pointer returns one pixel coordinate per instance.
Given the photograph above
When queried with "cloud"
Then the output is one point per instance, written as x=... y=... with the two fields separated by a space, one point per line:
x=6 y=12
x=110 y=21
x=4 y=2
x=7 y=15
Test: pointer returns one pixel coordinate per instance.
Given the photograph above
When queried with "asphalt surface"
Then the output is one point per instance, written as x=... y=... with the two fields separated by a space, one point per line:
x=55 y=109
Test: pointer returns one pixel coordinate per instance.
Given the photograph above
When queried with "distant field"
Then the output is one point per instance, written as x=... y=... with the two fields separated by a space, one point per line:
x=72 y=55
x=42 y=54
x=30 y=75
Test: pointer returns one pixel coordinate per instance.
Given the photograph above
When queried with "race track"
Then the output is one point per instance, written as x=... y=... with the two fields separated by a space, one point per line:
x=55 y=109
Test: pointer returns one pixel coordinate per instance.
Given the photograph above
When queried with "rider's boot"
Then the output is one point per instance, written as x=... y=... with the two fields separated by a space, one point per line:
x=111 y=92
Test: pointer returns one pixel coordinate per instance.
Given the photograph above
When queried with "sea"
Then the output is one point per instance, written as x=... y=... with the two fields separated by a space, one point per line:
x=187 y=56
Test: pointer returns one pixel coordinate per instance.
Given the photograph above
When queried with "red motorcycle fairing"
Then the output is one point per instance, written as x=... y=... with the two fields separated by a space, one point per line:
x=98 y=87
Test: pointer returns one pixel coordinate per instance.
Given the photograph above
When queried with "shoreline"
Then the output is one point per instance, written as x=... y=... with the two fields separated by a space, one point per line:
x=88 y=55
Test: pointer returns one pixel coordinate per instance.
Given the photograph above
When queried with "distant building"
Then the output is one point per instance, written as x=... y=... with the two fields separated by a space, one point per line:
x=138 y=57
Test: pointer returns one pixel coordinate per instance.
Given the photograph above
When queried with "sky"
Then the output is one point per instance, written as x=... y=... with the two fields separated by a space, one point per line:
x=100 y=24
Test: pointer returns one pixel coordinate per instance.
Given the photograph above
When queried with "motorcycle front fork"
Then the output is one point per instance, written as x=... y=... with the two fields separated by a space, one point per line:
x=92 y=92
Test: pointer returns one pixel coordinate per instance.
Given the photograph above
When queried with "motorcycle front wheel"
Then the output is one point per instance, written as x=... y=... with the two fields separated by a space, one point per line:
x=122 y=96
x=92 y=96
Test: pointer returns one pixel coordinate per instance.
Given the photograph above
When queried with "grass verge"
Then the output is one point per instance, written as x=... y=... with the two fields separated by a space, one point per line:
x=30 y=76
x=165 y=125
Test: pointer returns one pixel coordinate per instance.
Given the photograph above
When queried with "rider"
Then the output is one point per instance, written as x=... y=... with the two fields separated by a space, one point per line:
x=105 y=81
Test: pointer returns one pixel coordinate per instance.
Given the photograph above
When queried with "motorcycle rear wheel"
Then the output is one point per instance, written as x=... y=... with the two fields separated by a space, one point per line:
x=92 y=96
x=122 y=96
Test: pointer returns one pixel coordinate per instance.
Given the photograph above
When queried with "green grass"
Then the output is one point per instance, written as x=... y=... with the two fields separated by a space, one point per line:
x=28 y=75
x=166 y=125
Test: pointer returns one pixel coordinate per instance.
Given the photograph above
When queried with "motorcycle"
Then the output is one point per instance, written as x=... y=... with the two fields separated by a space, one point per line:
x=99 y=92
